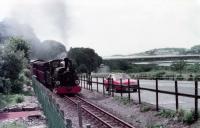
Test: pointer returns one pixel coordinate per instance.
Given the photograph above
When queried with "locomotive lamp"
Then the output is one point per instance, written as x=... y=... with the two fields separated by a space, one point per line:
x=77 y=82
x=57 y=83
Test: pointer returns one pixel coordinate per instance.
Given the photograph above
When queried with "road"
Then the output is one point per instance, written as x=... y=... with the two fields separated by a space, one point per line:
x=165 y=100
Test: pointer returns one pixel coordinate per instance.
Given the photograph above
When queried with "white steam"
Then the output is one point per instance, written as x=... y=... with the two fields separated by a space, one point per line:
x=48 y=18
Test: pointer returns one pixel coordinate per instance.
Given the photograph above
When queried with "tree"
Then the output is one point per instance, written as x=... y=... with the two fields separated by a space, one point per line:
x=178 y=66
x=122 y=65
x=14 y=61
x=84 y=59
x=17 y=44
x=13 y=64
x=195 y=49
x=193 y=68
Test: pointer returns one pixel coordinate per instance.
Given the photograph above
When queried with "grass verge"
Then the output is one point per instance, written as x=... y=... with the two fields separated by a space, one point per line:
x=12 y=125
x=10 y=99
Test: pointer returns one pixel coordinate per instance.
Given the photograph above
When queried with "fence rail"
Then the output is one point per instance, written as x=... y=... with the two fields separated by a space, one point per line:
x=88 y=82
x=55 y=116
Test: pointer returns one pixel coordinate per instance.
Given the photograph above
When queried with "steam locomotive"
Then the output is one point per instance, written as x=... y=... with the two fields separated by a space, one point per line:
x=57 y=75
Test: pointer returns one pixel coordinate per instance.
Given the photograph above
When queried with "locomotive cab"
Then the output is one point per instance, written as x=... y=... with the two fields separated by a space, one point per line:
x=65 y=75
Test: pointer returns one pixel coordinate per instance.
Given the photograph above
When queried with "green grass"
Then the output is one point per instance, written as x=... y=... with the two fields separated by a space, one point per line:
x=19 y=99
x=10 y=99
x=12 y=125
x=144 y=108
x=167 y=113
x=123 y=100
x=155 y=126
x=182 y=115
x=27 y=93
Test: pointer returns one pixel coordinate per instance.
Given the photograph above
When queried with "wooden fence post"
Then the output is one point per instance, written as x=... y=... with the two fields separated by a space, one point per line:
x=129 y=95
x=176 y=95
x=97 y=84
x=157 y=108
x=81 y=81
x=91 y=83
x=196 y=100
x=87 y=83
x=113 y=88
x=84 y=81
x=139 y=96
x=103 y=87
x=121 y=87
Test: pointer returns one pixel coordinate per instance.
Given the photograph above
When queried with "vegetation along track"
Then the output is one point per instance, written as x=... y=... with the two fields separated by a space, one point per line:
x=100 y=116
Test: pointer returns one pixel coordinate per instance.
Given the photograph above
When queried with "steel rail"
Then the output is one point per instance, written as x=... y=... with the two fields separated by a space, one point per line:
x=86 y=103
x=84 y=109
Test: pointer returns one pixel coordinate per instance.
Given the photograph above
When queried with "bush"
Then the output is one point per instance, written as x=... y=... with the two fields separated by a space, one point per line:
x=190 y=78
x=123 y=100
x=19 y=99
x=27 y=73
x=155 y=126
x=12 y=125
x=160 y=74
x=5 y=85
x=167 y=113
x=188 y=118
x=179 y=77
x=17 y=86
x=180 y=115
x=197 y=77
x=144 y=108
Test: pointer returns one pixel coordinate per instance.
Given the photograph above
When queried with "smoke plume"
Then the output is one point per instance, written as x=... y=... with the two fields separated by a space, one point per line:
x=48 y=18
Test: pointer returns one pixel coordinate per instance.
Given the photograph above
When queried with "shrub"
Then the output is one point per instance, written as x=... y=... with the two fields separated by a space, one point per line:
x=159 y=74
x=188 y=118
x=155 y=126
x=19 y=99
x=17 y=86
x=167 y=113
x=12 y=125
x=179 y=77
x=190 y=78
x=180 y=115
x=123 y=100
x=5 y=85
x=144 y=108
x=27 y=72
x=197 y=77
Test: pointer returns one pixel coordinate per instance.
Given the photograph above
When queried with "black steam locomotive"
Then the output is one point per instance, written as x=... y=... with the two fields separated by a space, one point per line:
x=57 y=75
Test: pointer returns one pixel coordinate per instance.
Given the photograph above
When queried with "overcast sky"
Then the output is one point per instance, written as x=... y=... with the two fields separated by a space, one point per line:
x=124 y=26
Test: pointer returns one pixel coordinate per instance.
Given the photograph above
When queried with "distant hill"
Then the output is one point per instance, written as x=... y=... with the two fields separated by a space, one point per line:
x=163 y=51
x=166 y=51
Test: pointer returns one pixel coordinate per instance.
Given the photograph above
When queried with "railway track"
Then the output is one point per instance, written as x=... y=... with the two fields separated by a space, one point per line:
x=100 y=116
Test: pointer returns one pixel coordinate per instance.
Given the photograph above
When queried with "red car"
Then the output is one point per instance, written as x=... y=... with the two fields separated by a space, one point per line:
x=119 y=82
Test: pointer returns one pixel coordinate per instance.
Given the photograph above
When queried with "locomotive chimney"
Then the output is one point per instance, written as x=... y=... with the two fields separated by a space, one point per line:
x=68 y=63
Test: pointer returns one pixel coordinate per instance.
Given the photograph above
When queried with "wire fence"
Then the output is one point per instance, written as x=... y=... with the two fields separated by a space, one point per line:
x=92 y=83
x=55 y=116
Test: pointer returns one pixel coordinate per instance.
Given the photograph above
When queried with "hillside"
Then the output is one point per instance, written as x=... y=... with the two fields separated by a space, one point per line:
x=163 y=51
x=166 y=51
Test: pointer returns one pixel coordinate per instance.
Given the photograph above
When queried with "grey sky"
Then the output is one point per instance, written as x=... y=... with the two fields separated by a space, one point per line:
x=125 y=26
